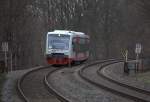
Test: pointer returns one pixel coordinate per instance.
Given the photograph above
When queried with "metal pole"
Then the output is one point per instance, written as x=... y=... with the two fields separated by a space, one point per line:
x=6 y=60
x=137 y=61
x=15 y=61
x=11 y=61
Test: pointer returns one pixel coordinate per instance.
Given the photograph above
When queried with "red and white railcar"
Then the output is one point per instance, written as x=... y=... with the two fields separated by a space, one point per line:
x=64 y=47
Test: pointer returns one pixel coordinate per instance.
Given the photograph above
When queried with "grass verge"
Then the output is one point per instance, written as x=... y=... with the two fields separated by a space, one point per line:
x=145 y=77
x=2 y=80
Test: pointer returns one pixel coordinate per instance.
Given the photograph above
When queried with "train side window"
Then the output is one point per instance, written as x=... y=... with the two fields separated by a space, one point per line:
x=80 y=44
x=82 y=41
x=74 y=45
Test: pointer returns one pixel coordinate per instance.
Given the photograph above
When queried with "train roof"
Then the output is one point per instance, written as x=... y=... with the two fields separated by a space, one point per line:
x=67 y=32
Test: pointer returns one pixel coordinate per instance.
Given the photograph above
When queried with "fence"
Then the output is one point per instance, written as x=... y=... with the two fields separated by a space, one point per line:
x=137 y=66
x=5 y=62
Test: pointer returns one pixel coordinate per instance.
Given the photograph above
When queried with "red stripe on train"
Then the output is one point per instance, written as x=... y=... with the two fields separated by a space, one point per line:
x=59 y=60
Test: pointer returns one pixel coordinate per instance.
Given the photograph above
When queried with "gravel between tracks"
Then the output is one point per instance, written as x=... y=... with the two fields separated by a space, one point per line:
x=77 y=90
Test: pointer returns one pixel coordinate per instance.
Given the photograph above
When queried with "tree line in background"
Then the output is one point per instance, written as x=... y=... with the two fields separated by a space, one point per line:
x=113 y=25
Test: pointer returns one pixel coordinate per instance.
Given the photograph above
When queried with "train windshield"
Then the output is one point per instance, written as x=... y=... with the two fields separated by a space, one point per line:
x=58 y=41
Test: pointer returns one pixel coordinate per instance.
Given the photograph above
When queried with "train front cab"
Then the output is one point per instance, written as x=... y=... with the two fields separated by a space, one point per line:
x=58 y=45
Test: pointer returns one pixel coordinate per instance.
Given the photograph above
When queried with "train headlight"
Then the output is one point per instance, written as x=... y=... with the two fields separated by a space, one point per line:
x=66 y=52
x=50 y=47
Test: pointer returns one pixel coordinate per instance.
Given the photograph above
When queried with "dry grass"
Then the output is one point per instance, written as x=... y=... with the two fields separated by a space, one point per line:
x=145 y=77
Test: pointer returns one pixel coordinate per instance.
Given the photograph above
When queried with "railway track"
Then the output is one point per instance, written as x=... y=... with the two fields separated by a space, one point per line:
x=35 y=87
x=91 y=73
x=32 y=88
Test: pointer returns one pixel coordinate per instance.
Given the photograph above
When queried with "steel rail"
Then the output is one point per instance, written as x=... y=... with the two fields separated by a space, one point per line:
x=52 y=90
x=19 y=82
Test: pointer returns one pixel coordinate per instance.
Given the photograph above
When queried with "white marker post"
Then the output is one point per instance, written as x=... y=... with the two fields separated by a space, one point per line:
x=5 y=50
x=138 y=49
